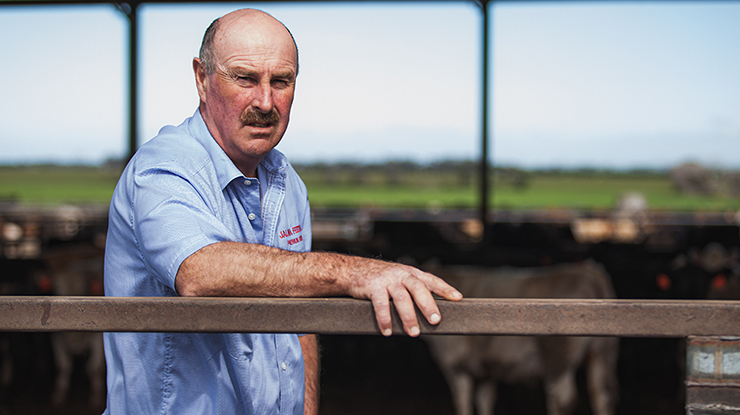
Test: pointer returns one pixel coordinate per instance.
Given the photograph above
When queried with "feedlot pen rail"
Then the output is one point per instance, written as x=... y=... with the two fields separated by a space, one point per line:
x=711 y=327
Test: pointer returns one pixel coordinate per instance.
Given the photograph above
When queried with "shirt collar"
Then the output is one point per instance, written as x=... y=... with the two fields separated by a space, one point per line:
x=275 y=162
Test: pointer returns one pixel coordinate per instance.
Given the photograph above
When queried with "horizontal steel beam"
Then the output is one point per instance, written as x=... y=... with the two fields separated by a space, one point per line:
x=623 y=318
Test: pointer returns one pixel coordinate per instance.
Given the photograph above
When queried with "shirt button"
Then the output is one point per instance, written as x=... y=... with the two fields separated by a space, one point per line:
x=285 y=367
x=247 y=182
x=252 y=216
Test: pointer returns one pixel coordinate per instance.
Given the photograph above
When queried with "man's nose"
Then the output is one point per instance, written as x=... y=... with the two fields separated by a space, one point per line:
x=263 y=98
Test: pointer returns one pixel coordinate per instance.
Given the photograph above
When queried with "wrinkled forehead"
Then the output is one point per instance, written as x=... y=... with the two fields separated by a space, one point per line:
x=250 y=33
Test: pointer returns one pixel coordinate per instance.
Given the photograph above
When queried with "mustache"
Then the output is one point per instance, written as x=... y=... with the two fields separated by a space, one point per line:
x=252 y=116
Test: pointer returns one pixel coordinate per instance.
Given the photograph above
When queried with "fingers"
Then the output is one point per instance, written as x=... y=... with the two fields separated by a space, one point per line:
x=382 y=308
x=404 y=304
x=404 y=307
x=407 y=287
x=413 y=291
x=424 y=301
x=440 y=287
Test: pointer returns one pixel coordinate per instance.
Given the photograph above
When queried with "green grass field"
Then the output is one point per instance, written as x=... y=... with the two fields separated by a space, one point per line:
x=602 y=192
x=350 y=187
x=57 y=184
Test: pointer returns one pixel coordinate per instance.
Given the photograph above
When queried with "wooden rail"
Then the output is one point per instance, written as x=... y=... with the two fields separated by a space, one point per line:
x=623 y=318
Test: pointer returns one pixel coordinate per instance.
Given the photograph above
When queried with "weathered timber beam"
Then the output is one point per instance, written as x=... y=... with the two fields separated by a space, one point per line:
x=623 y=318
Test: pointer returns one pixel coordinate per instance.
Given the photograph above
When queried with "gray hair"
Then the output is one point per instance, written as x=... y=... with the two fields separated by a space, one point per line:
x=207 y=53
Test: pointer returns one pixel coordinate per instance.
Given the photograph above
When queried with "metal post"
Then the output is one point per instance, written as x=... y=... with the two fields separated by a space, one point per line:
x=484 y=119
x=130 y=10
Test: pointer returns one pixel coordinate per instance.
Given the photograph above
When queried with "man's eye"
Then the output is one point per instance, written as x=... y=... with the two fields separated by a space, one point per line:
x=245 y=79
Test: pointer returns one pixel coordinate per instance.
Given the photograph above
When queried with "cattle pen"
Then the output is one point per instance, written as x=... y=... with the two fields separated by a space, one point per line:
x=710 y=384
x=711 y=327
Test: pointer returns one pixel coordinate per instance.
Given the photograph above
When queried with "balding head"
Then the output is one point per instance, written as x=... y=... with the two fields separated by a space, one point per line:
x=246 y=79
x=244 y=19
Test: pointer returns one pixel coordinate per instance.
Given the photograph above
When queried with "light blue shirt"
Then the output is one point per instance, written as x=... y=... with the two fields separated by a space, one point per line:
x=179 y=193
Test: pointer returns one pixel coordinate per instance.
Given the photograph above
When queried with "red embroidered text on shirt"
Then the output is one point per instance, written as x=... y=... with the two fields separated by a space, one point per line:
x=291 y=232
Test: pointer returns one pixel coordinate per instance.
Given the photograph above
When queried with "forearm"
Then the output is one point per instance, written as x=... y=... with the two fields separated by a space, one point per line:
x=312 y=360
x=251 y=270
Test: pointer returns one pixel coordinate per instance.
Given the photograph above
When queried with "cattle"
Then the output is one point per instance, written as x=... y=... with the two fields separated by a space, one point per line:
x=700 y=273
x=708 y=273
x=77 y=272
x=474 y=365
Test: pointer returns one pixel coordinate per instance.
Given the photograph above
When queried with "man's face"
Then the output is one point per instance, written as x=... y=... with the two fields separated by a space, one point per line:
x=246 y=102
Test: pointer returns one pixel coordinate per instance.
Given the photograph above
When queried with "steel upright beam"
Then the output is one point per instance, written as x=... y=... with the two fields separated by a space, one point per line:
x=484 y=185
x=130 y=10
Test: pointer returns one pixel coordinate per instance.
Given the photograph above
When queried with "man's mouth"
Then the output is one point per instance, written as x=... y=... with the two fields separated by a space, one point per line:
x=260 y=125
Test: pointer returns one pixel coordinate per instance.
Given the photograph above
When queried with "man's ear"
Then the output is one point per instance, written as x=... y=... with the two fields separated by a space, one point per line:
x=201 y=79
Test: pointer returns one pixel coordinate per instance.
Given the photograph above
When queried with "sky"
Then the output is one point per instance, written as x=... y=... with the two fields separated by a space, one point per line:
x=572 y=84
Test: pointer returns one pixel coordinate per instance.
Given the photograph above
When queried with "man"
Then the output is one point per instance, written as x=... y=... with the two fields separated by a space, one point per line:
x=200 y=210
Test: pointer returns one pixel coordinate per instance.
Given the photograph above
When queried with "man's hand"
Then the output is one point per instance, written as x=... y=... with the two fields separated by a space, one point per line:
x=381 y=281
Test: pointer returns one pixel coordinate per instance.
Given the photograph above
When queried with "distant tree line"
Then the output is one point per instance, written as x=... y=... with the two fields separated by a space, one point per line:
x=391 y=173
x=464 y=173
x=690 y=179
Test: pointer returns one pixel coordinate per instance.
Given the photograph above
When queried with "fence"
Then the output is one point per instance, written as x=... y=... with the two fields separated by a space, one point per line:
x=712 y=327
x=623 y=318
x=713 y=363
